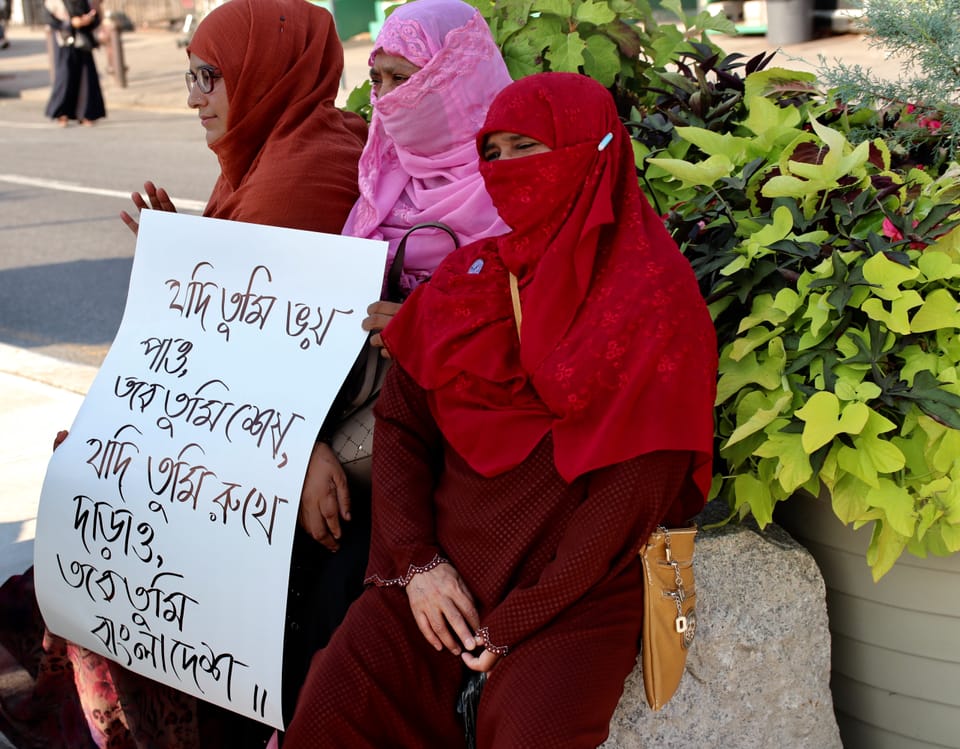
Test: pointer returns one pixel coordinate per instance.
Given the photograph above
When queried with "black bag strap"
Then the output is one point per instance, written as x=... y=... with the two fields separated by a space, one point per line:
x=394 y=292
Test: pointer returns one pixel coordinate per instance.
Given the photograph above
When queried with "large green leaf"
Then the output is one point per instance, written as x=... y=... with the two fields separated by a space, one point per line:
x=756 y=411
x=597 y=13
x=757 y=495
x=601 y=59
x=940 y=309
x=565 y=53
x=824 y=419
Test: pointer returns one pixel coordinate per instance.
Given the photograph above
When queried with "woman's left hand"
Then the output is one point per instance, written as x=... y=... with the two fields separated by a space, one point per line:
x=483 y=662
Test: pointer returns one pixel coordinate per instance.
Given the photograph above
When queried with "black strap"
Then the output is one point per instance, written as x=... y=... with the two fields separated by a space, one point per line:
x=394 y=292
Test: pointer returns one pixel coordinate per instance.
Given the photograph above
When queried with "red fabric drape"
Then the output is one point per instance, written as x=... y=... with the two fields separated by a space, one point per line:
x=618 y=353
x=289 y=156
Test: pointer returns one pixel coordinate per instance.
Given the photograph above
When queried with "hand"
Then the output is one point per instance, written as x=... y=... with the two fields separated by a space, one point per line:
x=325 y=499
x=159 y=201
x=483 y=662
x=443 y=607
x=378 y=315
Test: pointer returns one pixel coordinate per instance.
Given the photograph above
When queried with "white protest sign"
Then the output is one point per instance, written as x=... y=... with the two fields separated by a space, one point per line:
x=166 y=519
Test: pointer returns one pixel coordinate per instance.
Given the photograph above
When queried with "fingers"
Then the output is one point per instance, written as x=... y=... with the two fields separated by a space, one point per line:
x=379 y=314
x=483 y=662
x=130 y=221
x=426 y=629
x=313 y=522
x=164 y=202
x=443 y=609
x=138 y=201
x=325 y=497
x=58 y=440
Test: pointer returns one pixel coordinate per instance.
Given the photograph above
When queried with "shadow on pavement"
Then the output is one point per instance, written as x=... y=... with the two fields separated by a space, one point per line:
x=77 y=305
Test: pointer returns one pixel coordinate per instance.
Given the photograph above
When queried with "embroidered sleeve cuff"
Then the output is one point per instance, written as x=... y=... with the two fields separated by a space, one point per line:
x=412 y=570
x=483 y=635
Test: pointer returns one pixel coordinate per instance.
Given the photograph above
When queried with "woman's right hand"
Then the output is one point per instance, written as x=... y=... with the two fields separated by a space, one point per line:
x=159 y=200
x=378 y=315
x=443 y=608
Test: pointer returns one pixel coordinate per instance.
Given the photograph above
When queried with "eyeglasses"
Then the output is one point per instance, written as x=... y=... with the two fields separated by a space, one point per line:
x=202 y=79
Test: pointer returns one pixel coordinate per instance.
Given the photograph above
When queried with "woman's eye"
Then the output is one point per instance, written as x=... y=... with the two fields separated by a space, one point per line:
x=491 y=155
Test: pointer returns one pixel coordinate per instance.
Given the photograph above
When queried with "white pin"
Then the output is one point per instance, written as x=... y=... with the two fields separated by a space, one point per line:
x=605 y=142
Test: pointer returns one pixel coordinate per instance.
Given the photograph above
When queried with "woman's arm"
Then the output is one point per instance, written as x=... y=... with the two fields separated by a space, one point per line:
x=407 y=459
x=407 y=450
x=624 y=503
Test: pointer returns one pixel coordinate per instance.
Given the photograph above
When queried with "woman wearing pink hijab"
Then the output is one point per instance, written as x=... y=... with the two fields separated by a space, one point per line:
x=435 y=70
x=420 y=163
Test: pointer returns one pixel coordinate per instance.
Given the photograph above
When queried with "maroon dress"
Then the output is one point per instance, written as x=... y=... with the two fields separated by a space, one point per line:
x=552 y=566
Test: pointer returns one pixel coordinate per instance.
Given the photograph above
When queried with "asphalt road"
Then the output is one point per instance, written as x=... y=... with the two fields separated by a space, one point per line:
x=65 y=255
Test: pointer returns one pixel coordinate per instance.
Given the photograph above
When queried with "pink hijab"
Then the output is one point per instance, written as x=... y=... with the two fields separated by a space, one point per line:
x=420 y=162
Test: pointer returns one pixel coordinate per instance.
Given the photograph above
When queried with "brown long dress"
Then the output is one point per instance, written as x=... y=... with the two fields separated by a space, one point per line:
x=553 y=568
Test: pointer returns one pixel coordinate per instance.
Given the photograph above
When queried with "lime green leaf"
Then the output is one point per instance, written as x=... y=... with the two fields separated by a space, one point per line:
x=897 y=318
x=847 y=496
x=897 y=505
x=887 y=276
x=755 y=412
x=717 y=144
x=793 y=469
x=871 y=455
x=735 y=374
x=757 y=495
x=754 y=339
x=702 y=174
x=940 y=310
x=886 y=546
x=823 y=419
x=937 y=266
x=768 y=120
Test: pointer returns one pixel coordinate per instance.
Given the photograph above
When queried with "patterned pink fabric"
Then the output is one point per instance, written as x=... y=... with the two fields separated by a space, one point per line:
x=420 y=161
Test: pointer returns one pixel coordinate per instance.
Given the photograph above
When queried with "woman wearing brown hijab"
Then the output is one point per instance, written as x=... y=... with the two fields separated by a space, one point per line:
x=263 y=78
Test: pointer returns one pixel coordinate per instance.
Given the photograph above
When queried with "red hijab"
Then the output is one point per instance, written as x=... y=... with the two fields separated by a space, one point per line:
x=289 y=156
x=617 y=355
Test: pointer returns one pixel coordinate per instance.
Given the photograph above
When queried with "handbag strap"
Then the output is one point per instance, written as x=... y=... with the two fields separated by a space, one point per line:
x=515 y=298
x=394 y=292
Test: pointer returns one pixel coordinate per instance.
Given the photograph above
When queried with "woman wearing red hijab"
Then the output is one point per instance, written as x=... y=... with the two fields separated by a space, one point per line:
x=525 y=452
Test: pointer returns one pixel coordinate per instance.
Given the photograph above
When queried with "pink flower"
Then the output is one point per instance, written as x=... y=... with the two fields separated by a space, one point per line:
x=911 y=109
x=890 y=231
x=893 y=233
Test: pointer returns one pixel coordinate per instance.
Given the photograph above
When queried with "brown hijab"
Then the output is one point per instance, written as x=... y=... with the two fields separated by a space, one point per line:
x=289 y=156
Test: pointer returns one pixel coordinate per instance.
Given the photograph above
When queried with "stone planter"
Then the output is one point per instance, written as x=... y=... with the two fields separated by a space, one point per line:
x=896 y=643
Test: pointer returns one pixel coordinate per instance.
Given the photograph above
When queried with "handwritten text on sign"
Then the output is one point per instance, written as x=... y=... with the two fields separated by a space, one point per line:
x=166 y=519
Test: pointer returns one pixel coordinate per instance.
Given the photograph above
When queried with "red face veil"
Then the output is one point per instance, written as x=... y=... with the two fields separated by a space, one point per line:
x=617 y=354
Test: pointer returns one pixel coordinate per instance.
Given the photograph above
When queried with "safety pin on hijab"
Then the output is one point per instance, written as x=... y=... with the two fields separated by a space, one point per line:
x=605 y=142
